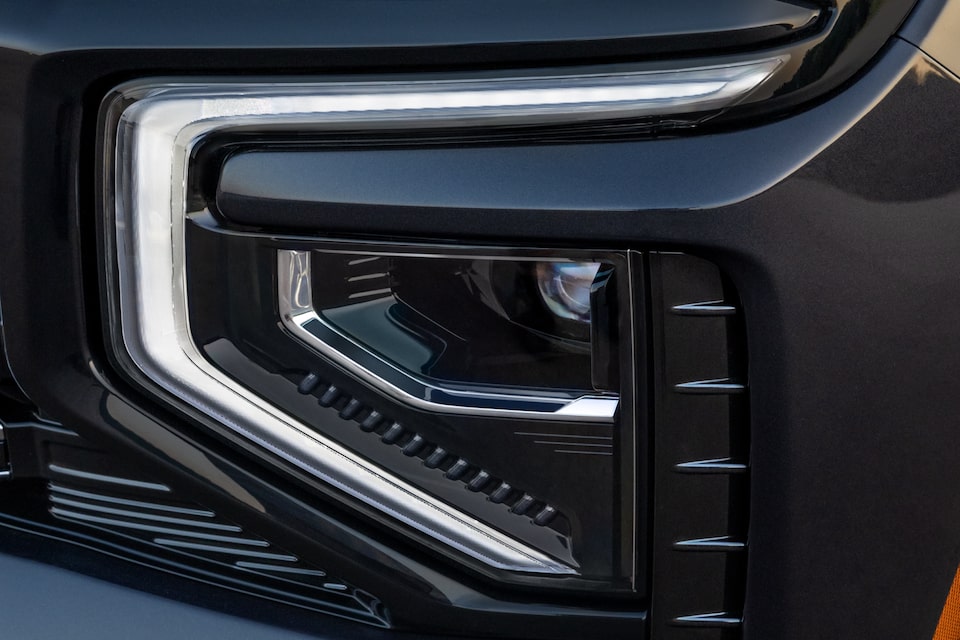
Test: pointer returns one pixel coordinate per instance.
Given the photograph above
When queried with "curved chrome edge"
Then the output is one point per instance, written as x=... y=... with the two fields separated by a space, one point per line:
x=297 y=311
x=155 y=136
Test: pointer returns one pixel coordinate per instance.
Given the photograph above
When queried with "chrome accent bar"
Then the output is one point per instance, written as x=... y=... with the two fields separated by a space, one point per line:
x=717 y=465
x=60 y=501
x=720 y=620
x=721 y=386
x=99 y=477
x=718 y=543
x=260 y=566
x=69 y=514
x=299 y=316
x=248 y=553
x=56 y=489
x=708 y=309
x=5 y=472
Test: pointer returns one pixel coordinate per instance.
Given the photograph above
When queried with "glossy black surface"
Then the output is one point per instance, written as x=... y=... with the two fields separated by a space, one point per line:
x=454 y=322
x=844 y=253
x=828 y=42
x=376 y=23
x=701 y=440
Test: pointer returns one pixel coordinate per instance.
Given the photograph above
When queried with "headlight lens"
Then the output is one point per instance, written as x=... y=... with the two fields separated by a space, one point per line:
x=446 y=334
x=566 y=288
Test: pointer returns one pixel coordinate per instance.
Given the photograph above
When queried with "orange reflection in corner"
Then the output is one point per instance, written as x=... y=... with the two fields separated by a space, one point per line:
x=949 y=626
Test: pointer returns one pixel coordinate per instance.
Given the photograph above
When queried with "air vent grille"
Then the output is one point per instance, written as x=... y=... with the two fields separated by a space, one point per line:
x=701 y=446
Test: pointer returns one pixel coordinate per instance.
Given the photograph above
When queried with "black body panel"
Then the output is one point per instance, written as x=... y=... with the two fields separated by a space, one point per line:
x=834 y=216
x=685 y=26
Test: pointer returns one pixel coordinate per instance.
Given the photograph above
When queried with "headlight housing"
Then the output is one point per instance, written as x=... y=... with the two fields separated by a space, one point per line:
x=505 y=371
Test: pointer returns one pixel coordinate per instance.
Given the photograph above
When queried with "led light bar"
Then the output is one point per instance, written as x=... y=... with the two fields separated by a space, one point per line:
x=156 y=135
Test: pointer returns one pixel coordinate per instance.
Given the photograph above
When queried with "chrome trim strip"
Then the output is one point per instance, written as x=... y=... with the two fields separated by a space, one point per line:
x=710 y=309
x=56 y=489
x=98 y=477
x=68 y=514
x=161 y=126
x=297 y=312
x=248 y=553
x=716 y=465
x=259 y=566
x=140 y=515
x=719 y=620
x=718 y=543
x=720 y=386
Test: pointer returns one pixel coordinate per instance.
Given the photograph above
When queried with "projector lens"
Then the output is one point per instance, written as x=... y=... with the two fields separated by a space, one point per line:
x=565 y=288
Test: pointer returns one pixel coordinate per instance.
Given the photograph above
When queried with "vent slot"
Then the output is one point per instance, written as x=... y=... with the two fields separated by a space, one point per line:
x=149 y=513
x=701 y=446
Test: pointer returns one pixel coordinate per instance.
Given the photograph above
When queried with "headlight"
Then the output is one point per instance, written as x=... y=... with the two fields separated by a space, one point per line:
x=479 y=399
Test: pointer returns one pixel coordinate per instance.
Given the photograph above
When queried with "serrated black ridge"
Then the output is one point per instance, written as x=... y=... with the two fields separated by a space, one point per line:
x=454 y=467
